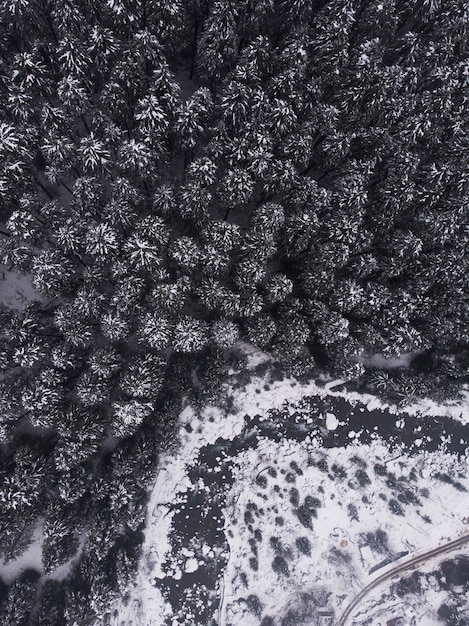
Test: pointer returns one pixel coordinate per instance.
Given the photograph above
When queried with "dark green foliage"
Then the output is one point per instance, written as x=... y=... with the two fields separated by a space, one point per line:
x=16 y=538
x=322 y=465
x=378 y=541
x=78 y=599
x=261 y=481
x=254 y=564
x=450 y=481
x=212 y=371
x=59 y=546
x=406 y=496
x=338 y=471
x=452 y=615
x=380 y=470
x=312 y=503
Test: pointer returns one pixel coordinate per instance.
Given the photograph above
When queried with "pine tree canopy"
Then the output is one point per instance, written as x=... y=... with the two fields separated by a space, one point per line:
x=179 y=176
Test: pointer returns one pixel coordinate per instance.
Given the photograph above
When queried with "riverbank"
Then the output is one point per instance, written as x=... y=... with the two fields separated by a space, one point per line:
x=206 y=534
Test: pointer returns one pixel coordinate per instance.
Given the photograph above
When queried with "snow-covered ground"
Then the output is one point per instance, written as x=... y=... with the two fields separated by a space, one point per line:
x=296 y=526
x=419 y=595
x=315 y=518
x=16 y=291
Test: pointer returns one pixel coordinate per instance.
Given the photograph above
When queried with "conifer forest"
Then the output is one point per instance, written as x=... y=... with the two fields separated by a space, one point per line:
x=180 y=180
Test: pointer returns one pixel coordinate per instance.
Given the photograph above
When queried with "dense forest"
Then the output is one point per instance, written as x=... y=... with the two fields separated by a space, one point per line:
x=180 y=175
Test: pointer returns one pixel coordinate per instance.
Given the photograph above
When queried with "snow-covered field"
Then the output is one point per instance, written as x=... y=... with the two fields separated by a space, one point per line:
x=322 y=519
x=249 y=524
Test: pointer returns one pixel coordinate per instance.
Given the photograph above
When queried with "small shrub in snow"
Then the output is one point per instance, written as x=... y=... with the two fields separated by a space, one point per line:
x=380 y=470
x=362 y=478
x=280 y=566
x=305 y=515
x=261 y=481
x=312 y=503
x=248 y=518
x=294 y=496
x=338 y=471
x=304 y=545
x=395 y=507
x=253 y=564
x=254 y=605
x=352 y=512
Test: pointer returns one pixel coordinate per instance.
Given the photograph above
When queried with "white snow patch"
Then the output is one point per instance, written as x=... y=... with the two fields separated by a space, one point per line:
x=191 y=565
x=335 y=383
x=16 y=290
x=384 y=362
x=331 y=421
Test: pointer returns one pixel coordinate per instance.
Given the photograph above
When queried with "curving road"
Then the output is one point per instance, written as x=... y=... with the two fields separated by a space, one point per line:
x=400 y=568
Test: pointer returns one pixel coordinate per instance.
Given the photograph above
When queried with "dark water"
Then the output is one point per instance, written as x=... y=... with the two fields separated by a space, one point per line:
x=198 y=519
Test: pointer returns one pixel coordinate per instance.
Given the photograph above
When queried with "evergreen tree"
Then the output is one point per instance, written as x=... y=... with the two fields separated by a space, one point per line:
x=225 y=333
x=143 y=378
x=19 y=604
x=50 y=611
x=217 y=46
x=128 y=416
x=190 y=334
x=58 y=546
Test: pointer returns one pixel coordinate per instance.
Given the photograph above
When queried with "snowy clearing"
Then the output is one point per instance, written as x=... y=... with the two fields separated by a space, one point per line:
x=287 y=514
